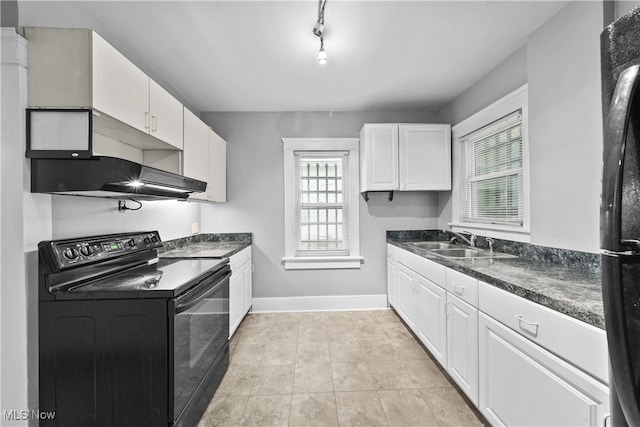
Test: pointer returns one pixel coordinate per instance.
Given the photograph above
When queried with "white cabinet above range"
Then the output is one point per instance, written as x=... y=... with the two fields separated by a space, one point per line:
x=405 y=157
x=205 y=158
x=76 y=68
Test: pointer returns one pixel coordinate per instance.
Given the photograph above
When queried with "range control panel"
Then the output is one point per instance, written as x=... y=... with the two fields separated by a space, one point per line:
x=68 y=253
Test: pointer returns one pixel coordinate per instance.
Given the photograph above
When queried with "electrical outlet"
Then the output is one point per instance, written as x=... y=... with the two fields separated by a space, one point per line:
x=195 y=228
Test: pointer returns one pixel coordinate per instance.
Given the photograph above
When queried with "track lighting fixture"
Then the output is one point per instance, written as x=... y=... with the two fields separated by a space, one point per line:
x=318 y=30
x=322 y=54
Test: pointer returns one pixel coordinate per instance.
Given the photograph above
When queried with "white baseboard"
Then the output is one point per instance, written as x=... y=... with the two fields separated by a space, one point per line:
x=320 y=303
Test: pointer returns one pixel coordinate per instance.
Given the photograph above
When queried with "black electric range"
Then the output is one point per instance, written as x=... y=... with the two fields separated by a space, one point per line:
x=126 y=338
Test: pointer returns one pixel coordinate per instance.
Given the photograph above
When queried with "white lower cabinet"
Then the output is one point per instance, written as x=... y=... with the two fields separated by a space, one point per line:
x=531 y=367
x=240 y=288
x=462 y=345
x=406 y=283
x=521 y=384
x=247 y=285
x=392 y=285
x=430 y=324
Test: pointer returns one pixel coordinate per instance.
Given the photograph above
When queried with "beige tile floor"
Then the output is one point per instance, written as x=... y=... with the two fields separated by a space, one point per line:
x=359 y=368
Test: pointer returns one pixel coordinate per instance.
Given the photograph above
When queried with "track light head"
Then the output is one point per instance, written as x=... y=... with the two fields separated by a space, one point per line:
x=318 y=29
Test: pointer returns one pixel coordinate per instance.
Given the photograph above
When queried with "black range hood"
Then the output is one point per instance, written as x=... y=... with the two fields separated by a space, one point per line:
x=101 y=176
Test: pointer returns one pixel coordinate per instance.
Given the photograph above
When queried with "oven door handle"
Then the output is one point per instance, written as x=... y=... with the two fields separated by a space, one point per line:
x=194 y=296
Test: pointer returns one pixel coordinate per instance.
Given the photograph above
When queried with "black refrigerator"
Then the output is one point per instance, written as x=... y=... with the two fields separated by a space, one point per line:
x=620 y=213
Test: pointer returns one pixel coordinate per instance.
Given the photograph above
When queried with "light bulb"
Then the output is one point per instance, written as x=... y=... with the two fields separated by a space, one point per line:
x=322 y=56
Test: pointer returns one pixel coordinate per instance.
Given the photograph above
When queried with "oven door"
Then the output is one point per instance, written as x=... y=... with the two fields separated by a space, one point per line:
x=200 y=340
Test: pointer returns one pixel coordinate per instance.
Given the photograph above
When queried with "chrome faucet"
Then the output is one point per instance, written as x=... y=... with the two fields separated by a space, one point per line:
x=490 y=242
x=471 y=241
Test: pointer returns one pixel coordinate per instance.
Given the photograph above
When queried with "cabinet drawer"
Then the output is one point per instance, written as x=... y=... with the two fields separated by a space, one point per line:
x=424 y=267
x=240 y=258
x=577 y=342
x=521 y=384
x=462 y=286
x=391 y=251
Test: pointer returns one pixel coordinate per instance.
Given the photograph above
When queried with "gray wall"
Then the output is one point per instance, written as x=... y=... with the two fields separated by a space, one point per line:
x=256 y=200
x=622 y=7
x=561 y=63
x=25 y=219
x=87 y=216
x=507 y=76
x=565 y=128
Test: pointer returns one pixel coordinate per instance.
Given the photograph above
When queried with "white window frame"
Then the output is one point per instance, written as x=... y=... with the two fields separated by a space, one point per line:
x=510 y=103
x=290 y=260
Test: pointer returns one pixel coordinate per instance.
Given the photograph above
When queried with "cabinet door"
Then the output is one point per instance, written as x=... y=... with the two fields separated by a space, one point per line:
x=217 y=183
x=406 y=294
x=195 y=156
x=392 y=285
x=120 y=89
x=236 y=297
x=379 y=157
x=104 y=363
x=247 y=294
x=431 y=326
x=166 y=121
x=523 y=384
x=425 y=157
x=462 y=345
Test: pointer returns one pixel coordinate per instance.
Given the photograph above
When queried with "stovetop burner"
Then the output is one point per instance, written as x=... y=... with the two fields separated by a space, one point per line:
x=164 y=278
x=131 y=282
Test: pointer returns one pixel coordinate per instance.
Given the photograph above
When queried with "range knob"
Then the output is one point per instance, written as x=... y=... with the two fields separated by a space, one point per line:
x=70 y=253
x=147 y=240
x=86 y=251
x=154 y=239
x=131 y=243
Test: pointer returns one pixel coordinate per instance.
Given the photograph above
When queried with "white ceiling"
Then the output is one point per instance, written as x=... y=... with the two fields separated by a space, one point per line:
x=261 y=56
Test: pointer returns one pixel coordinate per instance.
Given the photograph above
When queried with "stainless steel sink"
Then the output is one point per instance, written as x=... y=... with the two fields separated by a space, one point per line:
x=469 y=253
x=456 y=253
x=432 y=245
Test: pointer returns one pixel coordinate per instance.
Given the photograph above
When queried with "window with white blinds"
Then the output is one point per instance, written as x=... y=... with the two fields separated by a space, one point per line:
x=493 y=179
x=322 y=226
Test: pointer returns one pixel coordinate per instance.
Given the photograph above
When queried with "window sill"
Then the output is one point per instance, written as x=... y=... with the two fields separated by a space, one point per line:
x=492 y=230
x=321 y=263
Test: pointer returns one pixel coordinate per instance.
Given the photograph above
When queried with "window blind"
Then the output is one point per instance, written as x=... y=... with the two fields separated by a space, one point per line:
x=322 y=226
x=493 y=173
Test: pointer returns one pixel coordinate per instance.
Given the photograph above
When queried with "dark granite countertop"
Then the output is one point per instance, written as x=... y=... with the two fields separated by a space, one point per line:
x=217 y=245
x=575 y=292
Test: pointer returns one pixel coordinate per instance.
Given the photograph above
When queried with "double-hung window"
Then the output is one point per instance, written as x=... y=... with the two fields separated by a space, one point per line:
x=493 y=178
x=491 y=194
x=321 y=203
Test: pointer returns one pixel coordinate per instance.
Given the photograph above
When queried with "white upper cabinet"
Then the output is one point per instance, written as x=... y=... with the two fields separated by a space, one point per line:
x=165 y=115
x=379 y=157
x=217 y=187
x=120 y=89
x=405 y=157
x=205 y=158
x=78 y=68
x=195 y=157
x=425 y=157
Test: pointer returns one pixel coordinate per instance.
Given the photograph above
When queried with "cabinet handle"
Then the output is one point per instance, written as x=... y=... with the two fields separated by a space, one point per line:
x=532 y=325
x=146 y=120
x=154 y=123
x=253 y=268
x=605 y=420
x=458 y=289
